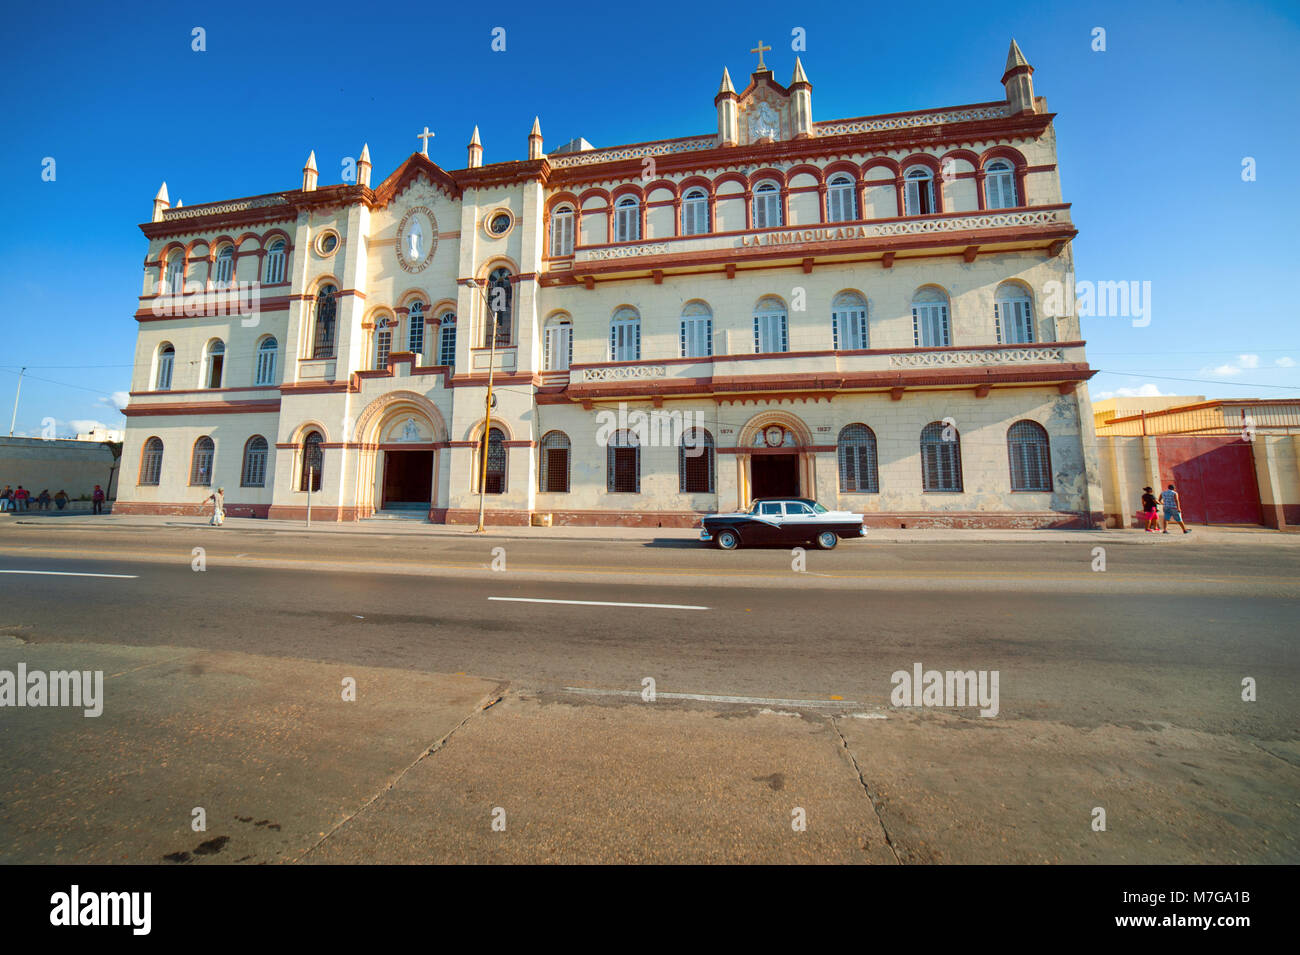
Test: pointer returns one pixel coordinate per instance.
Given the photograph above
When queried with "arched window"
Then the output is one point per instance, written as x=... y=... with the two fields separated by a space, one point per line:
x=383 y=344
x=500 y=291
x=695 y=212
x=849 y=321
x=166 y=362
x=557 y=344
x=625 y=335
x=1013 y=315
x=918 y=196
x=1030 y=457
x=151 y=462
x=940 y=457
x=770 y=334
x=999 y=185
x=326 y=319
x=201 y=462
x=447 y=340
x=841 y=199
x=697 y=330
x=627 y=220
x=266 y=353
x=856 y=447
x=274 y=270
x=215 y=362
x=175 y=281
x=225 y=271
x=254 y=473
x=767 y=205
x=496 y=462
x=623 y=463
x=930 y=318
x=415 y=329
x=553 y=475
x=313 y=462
x=562 y=231
x=695 y=462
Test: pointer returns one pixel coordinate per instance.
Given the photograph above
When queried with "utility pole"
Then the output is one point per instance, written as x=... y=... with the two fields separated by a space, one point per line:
x=14 y=418
x=487 y=412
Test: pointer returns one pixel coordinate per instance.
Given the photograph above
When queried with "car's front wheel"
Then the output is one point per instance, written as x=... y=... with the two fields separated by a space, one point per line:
x=827 y=540
x=728 y=540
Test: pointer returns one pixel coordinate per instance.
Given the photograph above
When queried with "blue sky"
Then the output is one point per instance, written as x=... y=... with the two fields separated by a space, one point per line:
x=1151 y=135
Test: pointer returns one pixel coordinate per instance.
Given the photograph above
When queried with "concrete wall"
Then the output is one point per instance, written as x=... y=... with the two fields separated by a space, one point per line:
x=72 y=466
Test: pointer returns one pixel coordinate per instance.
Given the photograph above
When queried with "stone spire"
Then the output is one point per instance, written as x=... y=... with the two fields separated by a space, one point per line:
x=801 y=100
x=363 y=166
x=161 y=203
x=475 y=151
x=309 y=173
x=535 y=139
x=1018 y=81
x=728 y=104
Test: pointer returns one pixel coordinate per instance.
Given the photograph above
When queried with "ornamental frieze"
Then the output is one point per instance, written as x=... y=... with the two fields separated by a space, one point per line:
x=989 y=357
x=625 y=373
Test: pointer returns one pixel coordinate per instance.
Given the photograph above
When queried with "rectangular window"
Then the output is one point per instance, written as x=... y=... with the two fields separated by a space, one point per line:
x=697 y=337
x=919 y=197
x=625 y=341
x=447 y=351
x=165 y=372
x=850 y=329
x=556 y=470
x=695 y=217
x=1013 y=320
x=767 y=211
x=383 y=345
x=558 y=352
x=214 y=370
x=624 y=470
x=930 y=326
x=254 y=469
x=627 y=224
x=696 y=470
x=770 y=333
x=562 y=234
x=415 y=336
x=265 y=366
x=275 y=267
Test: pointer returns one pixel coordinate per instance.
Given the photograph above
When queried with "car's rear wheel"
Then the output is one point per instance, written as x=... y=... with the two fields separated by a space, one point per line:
x=827 y=540
x=728 y=540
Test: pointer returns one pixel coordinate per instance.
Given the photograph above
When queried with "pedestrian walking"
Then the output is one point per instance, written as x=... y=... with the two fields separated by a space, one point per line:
x=43 y=500
x=1173 y=510
x=218 y=499
x=6 y=498
x=1149 y=512
x=61 y=499
x=97 y=497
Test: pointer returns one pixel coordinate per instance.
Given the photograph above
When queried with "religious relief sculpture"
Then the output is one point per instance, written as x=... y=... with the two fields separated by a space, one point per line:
x=417 y=238
x=764 y=123
x=410 y=432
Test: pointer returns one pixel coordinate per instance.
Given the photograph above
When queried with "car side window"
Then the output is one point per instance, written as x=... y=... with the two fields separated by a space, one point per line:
x=798 y=509
x=771 y=509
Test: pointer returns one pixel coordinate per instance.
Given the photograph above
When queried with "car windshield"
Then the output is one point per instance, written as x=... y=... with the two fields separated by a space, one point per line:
x=818 y=509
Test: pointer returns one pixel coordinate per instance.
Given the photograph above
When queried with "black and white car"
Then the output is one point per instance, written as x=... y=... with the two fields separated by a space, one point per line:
x=782 y=521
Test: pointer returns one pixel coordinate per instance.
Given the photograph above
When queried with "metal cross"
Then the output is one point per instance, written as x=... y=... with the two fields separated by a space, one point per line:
x=760 y=50
x=426 y=136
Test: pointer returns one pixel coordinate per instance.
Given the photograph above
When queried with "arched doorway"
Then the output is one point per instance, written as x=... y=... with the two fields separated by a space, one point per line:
x=400 y=435
x=774 y=458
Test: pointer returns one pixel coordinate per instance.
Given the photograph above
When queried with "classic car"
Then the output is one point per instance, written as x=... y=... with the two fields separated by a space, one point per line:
x=782 y=521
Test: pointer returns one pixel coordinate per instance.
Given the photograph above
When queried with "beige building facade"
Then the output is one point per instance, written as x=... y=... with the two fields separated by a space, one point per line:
x=854 y=310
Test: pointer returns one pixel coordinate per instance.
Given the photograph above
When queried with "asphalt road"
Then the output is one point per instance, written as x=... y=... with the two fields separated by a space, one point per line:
x=1163 y=633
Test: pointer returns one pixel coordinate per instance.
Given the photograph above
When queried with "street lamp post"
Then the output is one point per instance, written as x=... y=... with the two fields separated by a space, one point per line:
x=14 y=419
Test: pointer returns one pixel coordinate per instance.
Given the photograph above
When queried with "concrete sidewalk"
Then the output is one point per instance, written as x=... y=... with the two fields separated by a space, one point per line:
x=420 y=528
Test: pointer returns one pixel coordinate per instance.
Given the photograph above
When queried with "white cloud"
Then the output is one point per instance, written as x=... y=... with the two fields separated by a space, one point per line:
x=1286 y=362
x=83 y=425
x=1142 y=391
x=118 y=400
x=1225 y=371
x=1248 y=361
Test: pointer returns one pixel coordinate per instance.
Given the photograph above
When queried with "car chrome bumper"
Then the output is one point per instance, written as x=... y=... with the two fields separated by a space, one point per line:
x=705 y=535
x=862 y=531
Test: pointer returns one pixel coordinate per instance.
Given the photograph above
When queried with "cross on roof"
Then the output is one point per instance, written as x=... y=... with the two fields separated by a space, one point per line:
x=426 y=136
x=760 y=50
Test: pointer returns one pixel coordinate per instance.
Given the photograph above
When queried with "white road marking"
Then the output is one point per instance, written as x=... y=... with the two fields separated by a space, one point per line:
x=68 y=573
x=709 y=698
x=598 y=603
